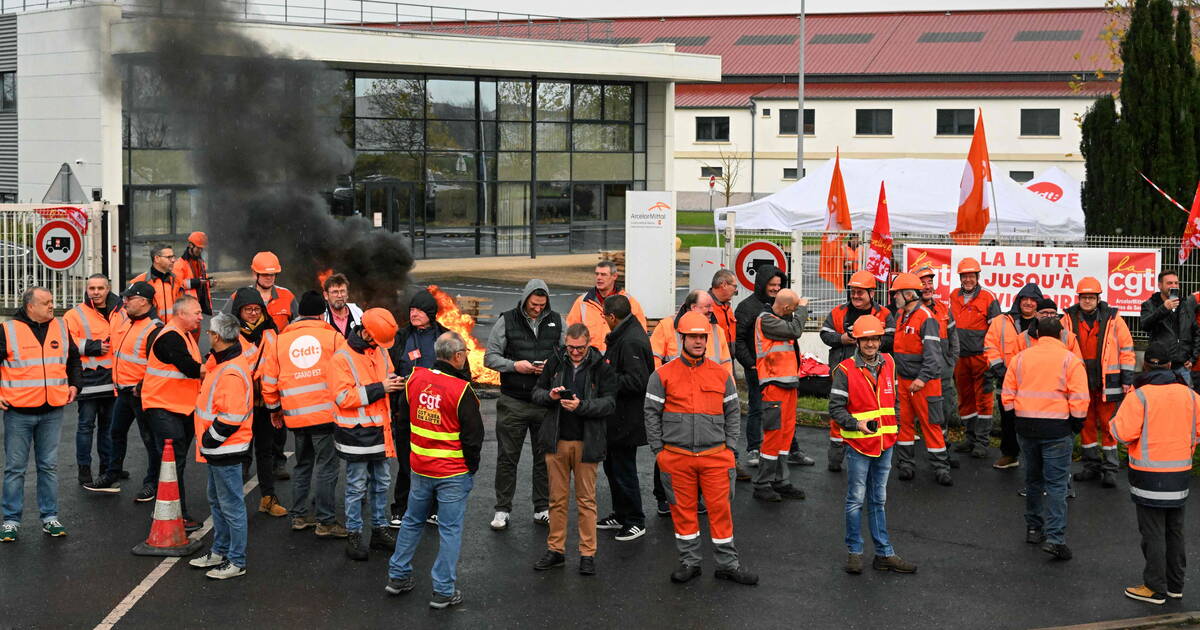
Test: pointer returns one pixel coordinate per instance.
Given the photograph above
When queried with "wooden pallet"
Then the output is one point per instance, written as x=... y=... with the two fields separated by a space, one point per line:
x=474 y=306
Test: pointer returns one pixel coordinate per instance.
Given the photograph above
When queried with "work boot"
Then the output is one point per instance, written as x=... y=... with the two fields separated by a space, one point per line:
x=1108 y=480
x=1087 y=474
x=270 y=506
x=979 y=452
x=1034 y=536
x=834 y=466
x=300 y=523
x=854 y=563
x=943 y=478
x=397 y=586
x=788 y=491
x=965 y=446
x=1058 y=550
x=1005 y=462
x=587 y=565
x=331 y=530
x=683 y=573
x=893 y=563
x=737 y=576
x=549 y=560
x=798 y=458
x=354 y=546
x=383 y=538
x=768 y=494
x=953 y=461
x=742 y=473
x=906 y=474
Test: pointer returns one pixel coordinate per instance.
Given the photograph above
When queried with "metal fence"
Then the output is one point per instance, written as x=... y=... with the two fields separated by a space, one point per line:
x=805 y=247
x=19 y=264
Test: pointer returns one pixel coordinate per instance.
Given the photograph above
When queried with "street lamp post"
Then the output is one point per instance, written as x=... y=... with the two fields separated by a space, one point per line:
x=800 y=98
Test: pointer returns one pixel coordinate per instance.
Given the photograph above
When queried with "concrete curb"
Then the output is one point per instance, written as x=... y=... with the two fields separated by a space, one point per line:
x=1155 y=621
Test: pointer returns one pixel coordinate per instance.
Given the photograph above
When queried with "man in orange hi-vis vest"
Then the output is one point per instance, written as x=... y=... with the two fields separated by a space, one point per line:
x=588 y=308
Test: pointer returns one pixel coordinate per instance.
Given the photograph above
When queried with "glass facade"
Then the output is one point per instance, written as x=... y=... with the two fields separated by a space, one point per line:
x=461 y=166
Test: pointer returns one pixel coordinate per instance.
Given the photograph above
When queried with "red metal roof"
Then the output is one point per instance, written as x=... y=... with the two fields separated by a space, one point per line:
x=739 y=94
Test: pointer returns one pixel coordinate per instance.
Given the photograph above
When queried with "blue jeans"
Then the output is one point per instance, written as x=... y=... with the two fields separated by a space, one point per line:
x=451 y=497
x=360 y=475
x=1047 y=469
x=41 y=431
x=127 y=410
x=228 y=505
x=95 y=415
x=863 y=472
x=754 y=412
x=314 y=451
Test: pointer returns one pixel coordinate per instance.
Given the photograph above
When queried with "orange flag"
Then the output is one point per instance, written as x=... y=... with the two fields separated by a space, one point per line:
x=832 y=264
x=879 y=257
x=974 y=207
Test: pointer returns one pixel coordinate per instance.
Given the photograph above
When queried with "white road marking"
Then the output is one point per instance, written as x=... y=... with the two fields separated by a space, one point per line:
x=159 y=571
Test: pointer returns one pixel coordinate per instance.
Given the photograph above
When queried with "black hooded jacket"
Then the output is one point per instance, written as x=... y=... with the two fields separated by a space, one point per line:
x=748 y=311
x=425 y=301
x=1176 y=329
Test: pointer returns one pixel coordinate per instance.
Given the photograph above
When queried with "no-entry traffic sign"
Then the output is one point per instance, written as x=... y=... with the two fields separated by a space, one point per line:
x=58 y=245
x=754 y=254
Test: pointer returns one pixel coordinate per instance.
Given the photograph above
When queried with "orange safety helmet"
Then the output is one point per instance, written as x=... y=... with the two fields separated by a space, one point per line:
x=906 y=281
x=693 y=323
x=265 y=262
x=199 y=239
x=1088 y=285
x=867 y=326
x=382 y=326
x=969 y=265
x=925 y=271
x=861 y=280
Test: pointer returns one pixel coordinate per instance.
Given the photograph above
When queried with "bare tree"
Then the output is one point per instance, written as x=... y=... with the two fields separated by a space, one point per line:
x=730 y=164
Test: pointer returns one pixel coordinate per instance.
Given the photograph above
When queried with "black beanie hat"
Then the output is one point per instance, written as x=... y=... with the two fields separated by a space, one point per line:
x=312 y=304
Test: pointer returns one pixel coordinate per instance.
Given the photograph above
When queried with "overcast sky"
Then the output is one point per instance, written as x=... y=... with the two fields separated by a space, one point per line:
x=622 y=8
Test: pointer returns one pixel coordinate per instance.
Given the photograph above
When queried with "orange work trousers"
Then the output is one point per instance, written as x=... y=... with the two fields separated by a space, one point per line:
x=917 y=408
x=685 y=475
x=974 y=392
x=1098 y=446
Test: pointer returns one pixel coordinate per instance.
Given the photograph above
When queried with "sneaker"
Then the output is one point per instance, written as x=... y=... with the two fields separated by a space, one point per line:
x=752 y=458
x=395 y=521
x=8 y=532
x=54 y=528
x=383 y=538
x=630 y=532
x=737 y=576
x=281 y=473
x=397 y=586
x=854 y=563
x=432 y=520
x=1174 y=595
x=767 y=494
x=225 y=571
x=354 y=546
x=1144 y=594
x=893 y=563
x=683 y=573
x=800 y=459
x=663 y=508
x=1005 y=462
x=609 y=522
x=190 y=525
x=1058 y=550
x=1034 y=536
x=147 y=493
x=301 y=523
x=122 y=474
x=542 y=517
x=788 y=491
x=500 y=521
x=440 y=601
x=207 y=561
x=270 y=506
x=331 y=530
x=587 y=565
x=549 y=560
x=85 y=476
x=107 y=483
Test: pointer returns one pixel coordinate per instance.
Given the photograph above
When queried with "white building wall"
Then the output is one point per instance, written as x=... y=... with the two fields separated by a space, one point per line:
x=68 y=101
x=914 y=134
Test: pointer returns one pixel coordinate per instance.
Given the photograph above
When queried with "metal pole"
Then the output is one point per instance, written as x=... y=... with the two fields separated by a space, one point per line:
x=753 y=112
x=730 y=238
x=800 y=98
x=716 y=235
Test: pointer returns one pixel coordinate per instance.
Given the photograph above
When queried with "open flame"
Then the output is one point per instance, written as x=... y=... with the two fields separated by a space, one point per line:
x=322 y=277
x=461 y=323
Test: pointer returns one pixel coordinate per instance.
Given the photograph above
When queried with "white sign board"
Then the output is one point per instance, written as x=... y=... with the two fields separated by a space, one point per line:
x=650 y=250
x=704 y=262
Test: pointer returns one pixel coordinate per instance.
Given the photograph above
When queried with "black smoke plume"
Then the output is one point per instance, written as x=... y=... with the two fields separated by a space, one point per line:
x=264 y=130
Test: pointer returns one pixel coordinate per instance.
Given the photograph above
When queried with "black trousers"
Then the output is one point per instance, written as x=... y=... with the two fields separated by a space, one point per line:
x=620 y=466
x=1008 y=433
x=401 y=432
x=1163 y=547
x=265 y=436
x=178 y=428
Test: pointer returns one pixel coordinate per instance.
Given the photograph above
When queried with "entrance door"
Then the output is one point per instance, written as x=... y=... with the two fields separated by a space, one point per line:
x=398 y=207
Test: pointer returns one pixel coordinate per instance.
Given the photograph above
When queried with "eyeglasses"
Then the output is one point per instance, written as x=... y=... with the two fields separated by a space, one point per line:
x=172 y=257
x=577 y=348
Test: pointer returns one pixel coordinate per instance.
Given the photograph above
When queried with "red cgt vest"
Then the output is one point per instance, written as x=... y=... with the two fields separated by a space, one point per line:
x=871 y=398
x=435 y=449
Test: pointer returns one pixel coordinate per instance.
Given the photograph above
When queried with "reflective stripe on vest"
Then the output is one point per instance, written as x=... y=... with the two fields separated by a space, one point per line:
x=360 y=417
x=164 y=386
x=434 y=437
x=205 y=412
x=89 y=363
x=1144 y=442
x=135 y=355
x=29 y=380
x=771 y=367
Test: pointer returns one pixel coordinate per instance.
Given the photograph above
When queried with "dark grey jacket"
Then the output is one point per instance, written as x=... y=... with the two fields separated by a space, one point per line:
x=597 y=401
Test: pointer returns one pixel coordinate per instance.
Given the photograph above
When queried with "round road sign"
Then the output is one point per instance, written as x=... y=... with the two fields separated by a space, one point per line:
x=754 y=254
x=58 y=244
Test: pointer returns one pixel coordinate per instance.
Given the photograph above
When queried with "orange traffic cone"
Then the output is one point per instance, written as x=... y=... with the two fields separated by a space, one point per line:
x=167 y=536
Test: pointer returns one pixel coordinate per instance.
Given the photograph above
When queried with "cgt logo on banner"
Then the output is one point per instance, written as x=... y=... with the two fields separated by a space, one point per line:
x=1130 y=276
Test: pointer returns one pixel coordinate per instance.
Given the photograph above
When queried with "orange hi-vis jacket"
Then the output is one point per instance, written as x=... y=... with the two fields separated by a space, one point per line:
x=777 y=362
x=917 y=348
x=1109 y=350
x=164 y=386
x=281 y=306
x=435 y=447
x=725 y=319
x=253 y=354
x=224 y=412
x=33 y=374
x=692 y=407
x=1046 y=382
x=166 y=291
x=1003 y=342
x=971 y=319
x=86 y=324
x=364 y=427
x=295 y=375
x=871 y=398
x=130 y=348
x=1158 y=426
x=588 y=310
x=665 y=342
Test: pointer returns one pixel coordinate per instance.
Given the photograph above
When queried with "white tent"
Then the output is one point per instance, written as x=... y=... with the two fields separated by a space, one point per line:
x=922 y=197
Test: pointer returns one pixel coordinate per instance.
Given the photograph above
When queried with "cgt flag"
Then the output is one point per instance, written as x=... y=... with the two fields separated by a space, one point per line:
x=879 y=257
x=832 y=265
x=1191 y=233
x=973 y=203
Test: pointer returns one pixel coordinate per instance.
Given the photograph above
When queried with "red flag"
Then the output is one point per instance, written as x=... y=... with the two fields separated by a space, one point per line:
x=1191 y=233
x=879 y=257
x=832 y=265
x=973 y=203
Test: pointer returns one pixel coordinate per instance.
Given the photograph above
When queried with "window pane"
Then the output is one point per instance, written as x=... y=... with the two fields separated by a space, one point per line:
x=1039 y=122
x=8 y=91
x=639 y=166
x=551 y=166
x=789 y=173
x=551 y=137
x=451 y=98
x=810 y=121
x=1020 y=176
x=639 y=137
x=514 y=166
x=955 y=122
x=639 y=103
x=873 y=122
x=160 y=167
x=592 y=137
x=378 y=133
x=615 y=201
x=389 y=97
x=711 y=171
x=601 y=166
x=487 y=135
x=618 y=102
x=514 y=97
x=188 y=211
x=369 y=166
x=453 y=205
x=553 y=101
x=712 y=128
x=487 y=99
x=450 y=135
x=450 y=166
x=587 y=203
x=145 y=88
x=553 y=202
x=787 y=121
x=587 y=102
x=151 y=213
x=515 y=137
x=150 y=130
